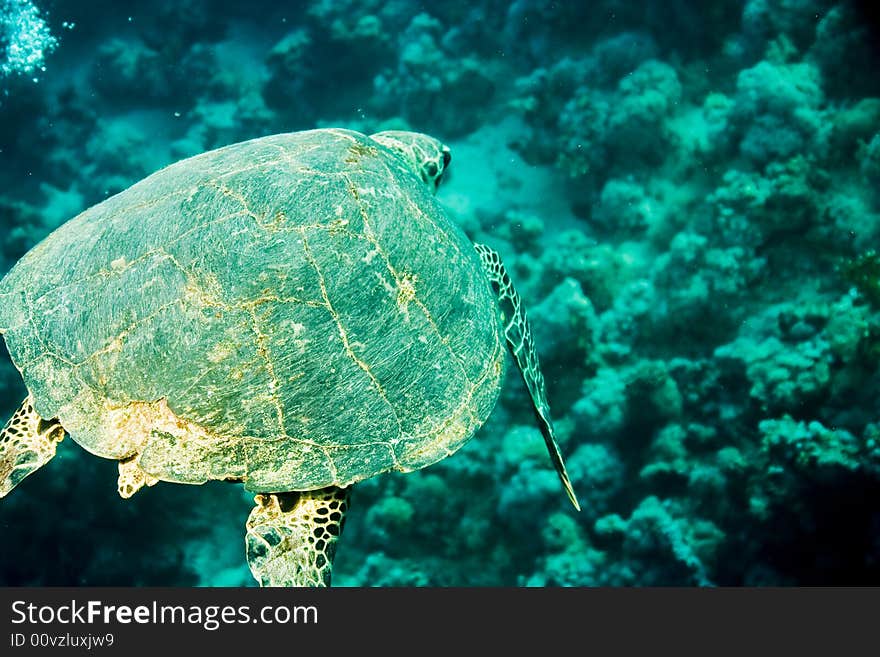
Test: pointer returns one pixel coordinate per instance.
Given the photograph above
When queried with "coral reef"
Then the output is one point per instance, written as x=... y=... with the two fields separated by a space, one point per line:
x=685 y=195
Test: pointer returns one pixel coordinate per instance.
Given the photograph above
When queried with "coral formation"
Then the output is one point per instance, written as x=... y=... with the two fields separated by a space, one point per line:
x=686 y=197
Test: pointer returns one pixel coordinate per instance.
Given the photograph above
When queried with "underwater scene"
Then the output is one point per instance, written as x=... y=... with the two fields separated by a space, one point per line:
x=685 y=195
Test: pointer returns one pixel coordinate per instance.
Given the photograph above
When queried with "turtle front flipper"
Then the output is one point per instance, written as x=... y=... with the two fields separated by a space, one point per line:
x=291 y=537
x=522 y=347
x=27 y=443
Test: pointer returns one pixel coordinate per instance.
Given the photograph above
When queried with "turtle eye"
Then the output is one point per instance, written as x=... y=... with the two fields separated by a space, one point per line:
x=431 y=170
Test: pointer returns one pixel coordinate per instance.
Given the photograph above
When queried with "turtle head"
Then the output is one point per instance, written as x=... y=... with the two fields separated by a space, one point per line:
x=428 y=157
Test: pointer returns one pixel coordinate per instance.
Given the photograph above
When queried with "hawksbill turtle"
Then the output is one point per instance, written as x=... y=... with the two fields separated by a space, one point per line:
x=295 y=313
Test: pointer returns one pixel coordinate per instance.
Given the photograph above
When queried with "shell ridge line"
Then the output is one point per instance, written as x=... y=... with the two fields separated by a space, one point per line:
x=261 y=343
x=288 y=157
x=370 y=236
x=142 y=204
x=331 y=465
x=344 y=335
x=120 y=337
x=251 y=167
x=203 y=225
x=236 y=196
x=105 y=273
x=47 y=350
x=395 y=462
x=465 y=403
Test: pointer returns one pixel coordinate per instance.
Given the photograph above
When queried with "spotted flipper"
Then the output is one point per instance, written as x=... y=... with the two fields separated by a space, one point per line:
x=132 y=478
x=291 y=537
x=522 y=347
x=27 y=443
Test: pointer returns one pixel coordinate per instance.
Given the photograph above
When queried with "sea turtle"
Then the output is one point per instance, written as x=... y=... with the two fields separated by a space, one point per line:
x=295 y=312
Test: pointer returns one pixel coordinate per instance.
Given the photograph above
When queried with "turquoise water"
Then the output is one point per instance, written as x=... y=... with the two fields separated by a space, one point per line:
x=685 y=194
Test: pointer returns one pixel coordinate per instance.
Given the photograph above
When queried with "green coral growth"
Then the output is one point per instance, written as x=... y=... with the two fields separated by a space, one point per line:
x=863 y=271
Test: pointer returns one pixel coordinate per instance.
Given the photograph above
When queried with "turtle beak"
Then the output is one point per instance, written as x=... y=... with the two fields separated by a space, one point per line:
x=442 y=178
x=446 y=154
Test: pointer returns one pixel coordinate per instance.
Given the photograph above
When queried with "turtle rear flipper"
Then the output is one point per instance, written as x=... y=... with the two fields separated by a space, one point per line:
x=522 y=346
x=27 y=443
x=291 y=537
